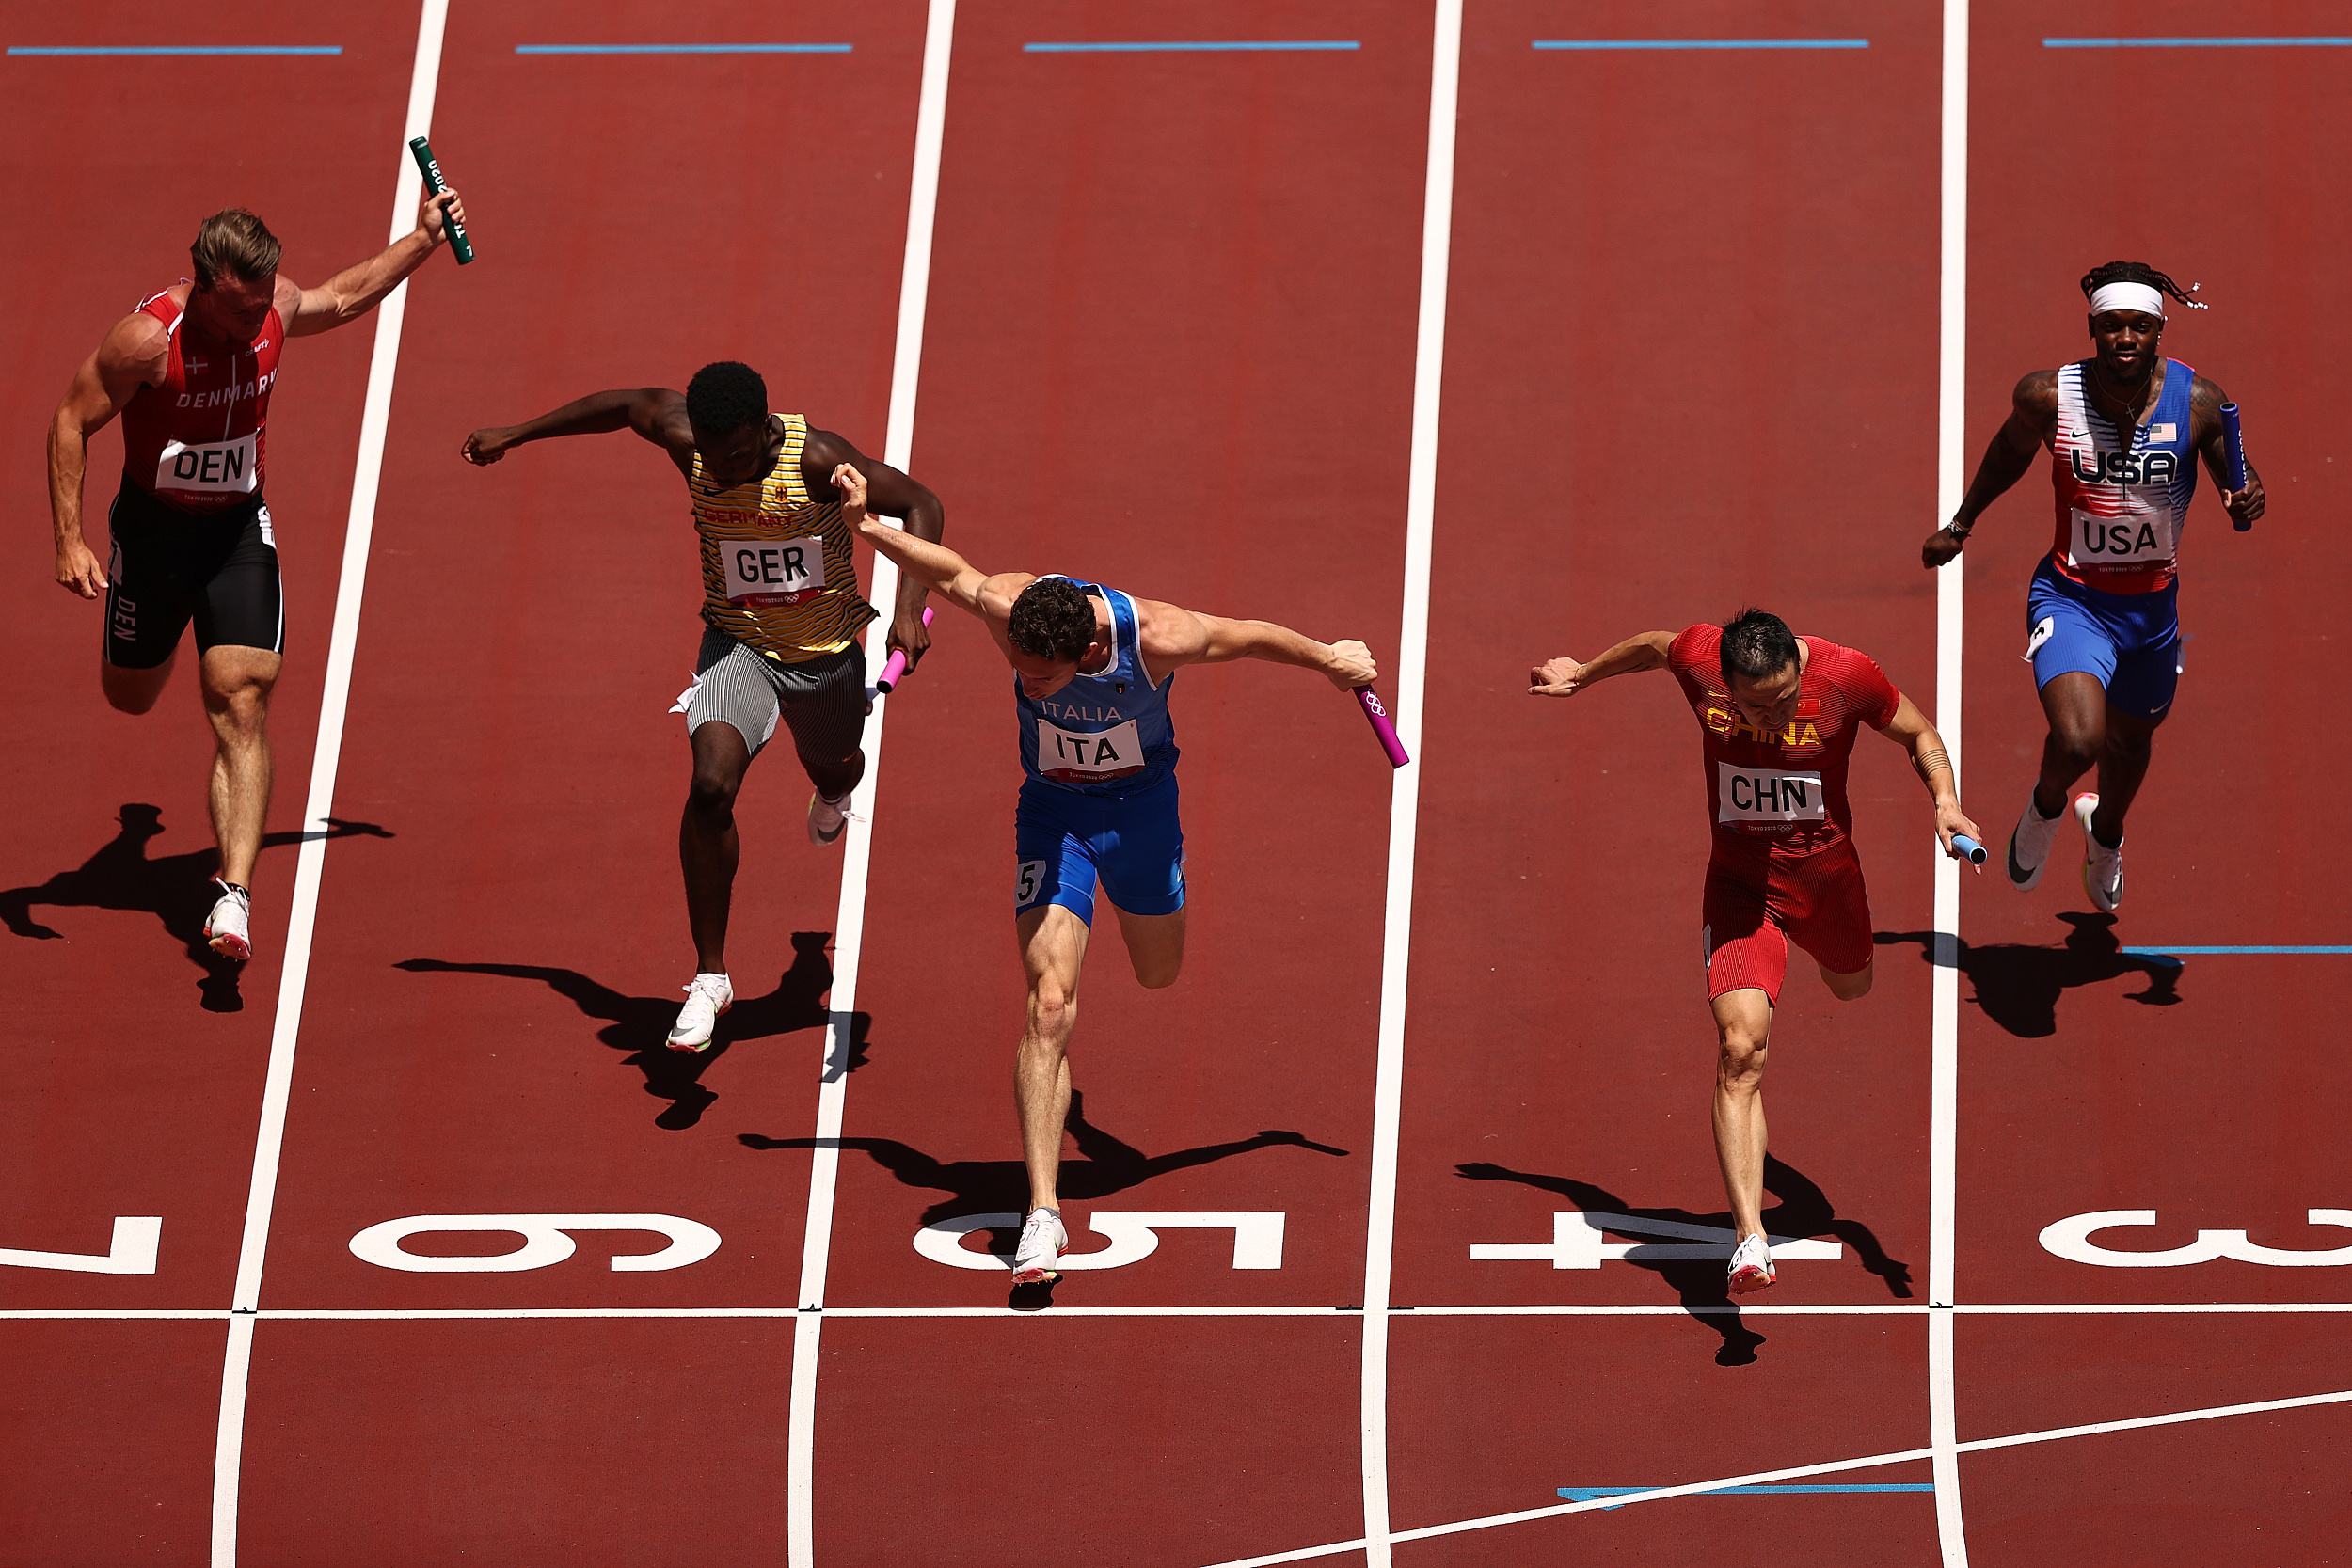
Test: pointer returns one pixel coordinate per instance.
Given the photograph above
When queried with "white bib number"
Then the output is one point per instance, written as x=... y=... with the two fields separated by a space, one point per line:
x=2140 y=539
x=763 y=572
x=217 y=468
x=1088 y=755
x=1768 y=795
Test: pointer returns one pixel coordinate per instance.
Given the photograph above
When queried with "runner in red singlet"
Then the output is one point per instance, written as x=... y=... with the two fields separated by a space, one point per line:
x=1777 y=716
x=191 y=371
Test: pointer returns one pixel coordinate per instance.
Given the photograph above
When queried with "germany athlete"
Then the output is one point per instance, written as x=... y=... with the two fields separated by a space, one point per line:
x=190 y=536
x=781 y=616
x=1092 y=668
x=2124 y=429
x=1777 y=719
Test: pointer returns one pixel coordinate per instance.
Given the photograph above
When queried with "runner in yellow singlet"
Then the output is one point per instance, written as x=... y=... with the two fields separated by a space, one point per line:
x=781 y=611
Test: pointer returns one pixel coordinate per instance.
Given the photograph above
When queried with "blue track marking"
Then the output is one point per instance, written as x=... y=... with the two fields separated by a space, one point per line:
x=2290 y=950
x=151 y=50
x=1700 y=43
x=1587 y=1494
x=2313 y=41
x=681 y=49
x=1189 y=46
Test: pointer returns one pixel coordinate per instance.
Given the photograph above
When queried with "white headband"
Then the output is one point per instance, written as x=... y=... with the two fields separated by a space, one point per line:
x=2128 y=296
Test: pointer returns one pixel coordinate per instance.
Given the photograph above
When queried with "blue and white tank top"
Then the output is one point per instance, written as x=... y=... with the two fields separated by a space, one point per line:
x=2123 y=496
x=1107 y=732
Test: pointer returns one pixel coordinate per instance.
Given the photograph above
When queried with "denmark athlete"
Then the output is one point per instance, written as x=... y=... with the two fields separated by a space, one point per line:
x=1092 y=668
x=2124 y=429
x=1777 y=719
x=190 y=536
x=781 y=616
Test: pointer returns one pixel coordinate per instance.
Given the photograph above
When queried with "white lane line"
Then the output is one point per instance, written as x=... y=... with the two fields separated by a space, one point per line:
x=1944 y=1089
x=293 y=980
x=1798 y=1472
x=1412 y=659
x=1882 y=1309
x=850 y=924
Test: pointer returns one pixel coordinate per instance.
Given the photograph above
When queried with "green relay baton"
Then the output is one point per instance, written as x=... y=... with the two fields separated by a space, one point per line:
x=430 y=167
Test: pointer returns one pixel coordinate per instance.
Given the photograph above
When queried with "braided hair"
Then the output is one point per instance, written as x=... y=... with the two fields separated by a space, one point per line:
x=2139 y=272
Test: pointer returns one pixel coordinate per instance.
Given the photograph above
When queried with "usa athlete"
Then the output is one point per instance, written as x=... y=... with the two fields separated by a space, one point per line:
x=190 y=370
x=2124 y=429
x=781 y=616
x=1092 y=669
x=1777 y=719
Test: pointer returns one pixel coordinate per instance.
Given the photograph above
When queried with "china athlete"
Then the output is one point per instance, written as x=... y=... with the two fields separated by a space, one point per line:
x=1777 y=719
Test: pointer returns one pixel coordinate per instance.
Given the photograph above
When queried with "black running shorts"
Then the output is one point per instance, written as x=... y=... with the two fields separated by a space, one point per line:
x=171 y=567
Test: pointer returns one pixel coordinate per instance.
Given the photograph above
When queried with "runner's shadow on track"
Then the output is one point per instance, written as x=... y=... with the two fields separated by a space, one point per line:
x=1804 y=1210
x=1107 y=1165
x=1002 y=1186
x=2018 y=985
x=175 y=889
x=641 y=1024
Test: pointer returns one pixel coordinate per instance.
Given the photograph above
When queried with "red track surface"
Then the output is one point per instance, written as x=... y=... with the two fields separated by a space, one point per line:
x=1693 y=357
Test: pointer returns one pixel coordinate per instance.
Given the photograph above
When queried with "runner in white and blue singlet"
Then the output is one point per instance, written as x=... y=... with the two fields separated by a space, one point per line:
x=2124 y=429
x=1092 y=668
x=1100 y=799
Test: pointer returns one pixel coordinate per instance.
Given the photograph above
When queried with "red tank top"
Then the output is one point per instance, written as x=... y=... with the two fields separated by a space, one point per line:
x=195 y=438
x=1781 y=796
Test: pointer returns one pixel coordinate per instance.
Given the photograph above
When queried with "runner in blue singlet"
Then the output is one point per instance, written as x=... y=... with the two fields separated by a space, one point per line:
x=2124 y=430
x=1092 y=668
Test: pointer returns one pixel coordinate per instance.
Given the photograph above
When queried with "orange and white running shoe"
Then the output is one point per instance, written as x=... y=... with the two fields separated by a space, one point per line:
x=229 y=930
x=1042 y=1241
x=1751 y=1267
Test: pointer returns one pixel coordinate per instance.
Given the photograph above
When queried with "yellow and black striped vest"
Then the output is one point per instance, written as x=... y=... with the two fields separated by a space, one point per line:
x=779 y=573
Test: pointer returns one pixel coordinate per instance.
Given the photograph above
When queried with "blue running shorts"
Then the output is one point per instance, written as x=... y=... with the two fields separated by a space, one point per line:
x=2130 y=642
x=1065 y=841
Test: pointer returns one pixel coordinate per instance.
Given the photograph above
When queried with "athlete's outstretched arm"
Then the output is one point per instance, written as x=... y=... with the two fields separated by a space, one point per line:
x=1911 y=730
x=656 y=413
x=134 y=355
x=1565 y=677
x=1173 y=637
x=2204 y=403
x=2032 y=416
x=893 y=495
x=938 y=568
x=354 y=291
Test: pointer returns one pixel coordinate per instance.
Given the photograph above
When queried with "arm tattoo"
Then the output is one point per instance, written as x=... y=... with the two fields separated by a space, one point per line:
x=1932 y=761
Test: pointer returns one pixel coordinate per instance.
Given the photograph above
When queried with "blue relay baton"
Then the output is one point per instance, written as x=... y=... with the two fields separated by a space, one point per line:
x=1970 y=847
x=2233 y=444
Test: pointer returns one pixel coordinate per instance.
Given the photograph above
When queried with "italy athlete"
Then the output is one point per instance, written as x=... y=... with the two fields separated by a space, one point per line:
x=2124 y=430
x=781 y=618
x=1092 y=667
x=190 y=536
x=1777 y=719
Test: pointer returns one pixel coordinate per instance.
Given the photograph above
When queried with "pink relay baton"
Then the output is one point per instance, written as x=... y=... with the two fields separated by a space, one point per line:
x=894 y=667
x=1382 y=726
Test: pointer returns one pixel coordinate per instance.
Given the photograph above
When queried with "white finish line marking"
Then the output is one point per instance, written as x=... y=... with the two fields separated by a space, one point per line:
x=1577 y=1242
x=1257 y=1239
